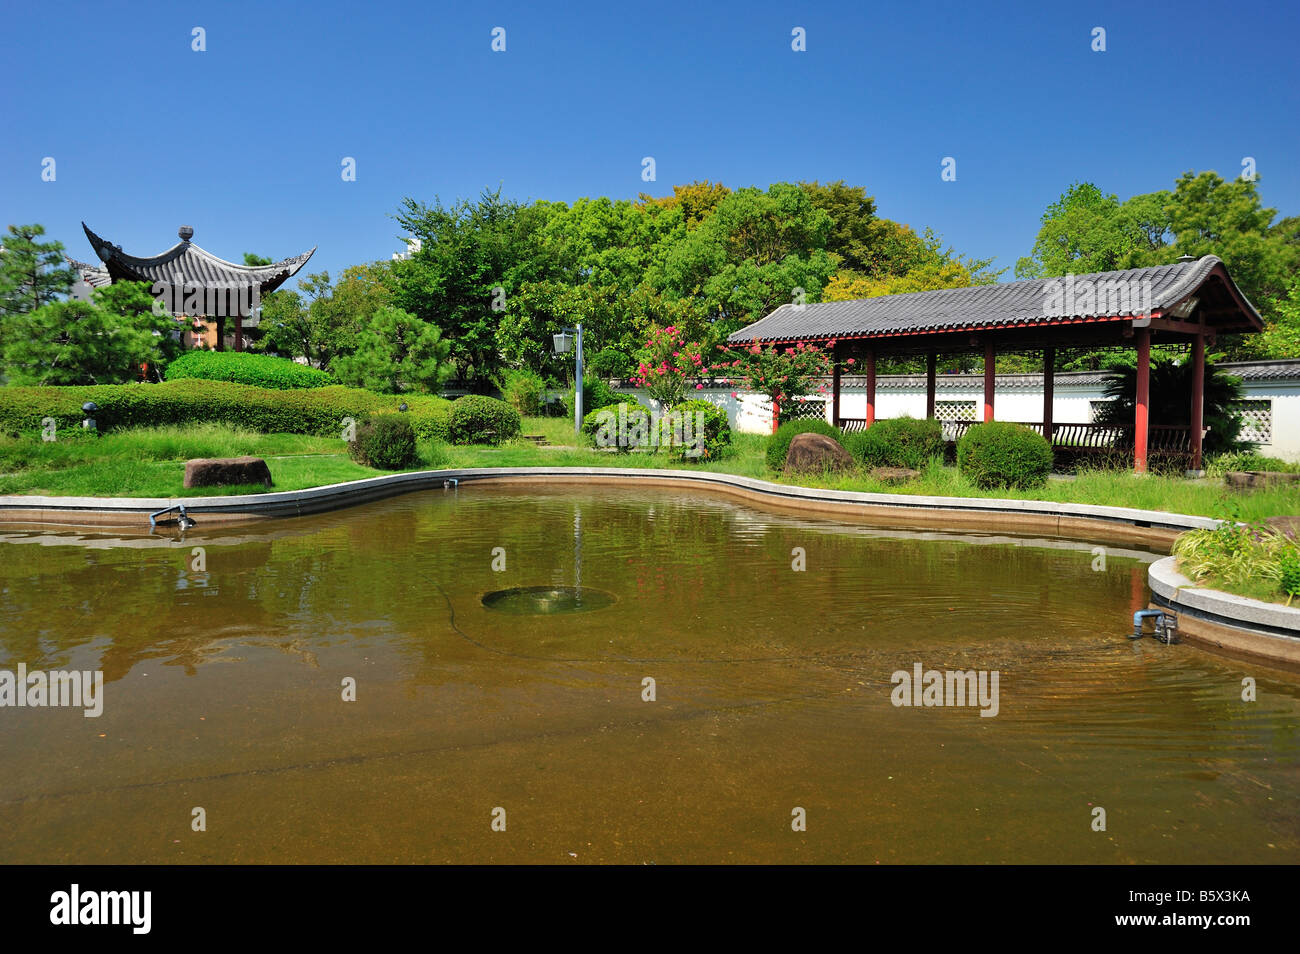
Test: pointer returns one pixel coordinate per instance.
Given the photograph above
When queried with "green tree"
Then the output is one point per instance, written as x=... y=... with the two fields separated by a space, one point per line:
x=252 y=260
x=759 y=249
x=396 y=353
x=468 y=251
x=32 y=273
x=79 y=342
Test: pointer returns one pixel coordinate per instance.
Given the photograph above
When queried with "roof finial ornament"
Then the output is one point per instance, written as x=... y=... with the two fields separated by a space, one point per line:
x=1186 y=258
x=185 y=232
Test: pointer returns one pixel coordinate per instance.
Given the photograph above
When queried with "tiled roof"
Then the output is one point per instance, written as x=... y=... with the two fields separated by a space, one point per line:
x=1287 y=369
x=1023 y=302
x=92 y=275
x=186 y=262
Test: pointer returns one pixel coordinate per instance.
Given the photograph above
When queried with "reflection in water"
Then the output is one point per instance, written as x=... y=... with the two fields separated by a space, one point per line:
x=223 y=689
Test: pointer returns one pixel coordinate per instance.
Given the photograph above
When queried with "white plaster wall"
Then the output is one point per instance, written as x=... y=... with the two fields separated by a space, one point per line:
x=1286 y=417
x=751 y=413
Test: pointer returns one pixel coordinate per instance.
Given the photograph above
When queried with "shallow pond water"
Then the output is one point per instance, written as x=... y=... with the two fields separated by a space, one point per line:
x=773 y=691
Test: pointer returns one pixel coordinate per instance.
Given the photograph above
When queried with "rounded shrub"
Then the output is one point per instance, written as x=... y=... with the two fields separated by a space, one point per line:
x=1002 y=454
x=696 y=444
x=474 y=419
x=385 y=442
x=241 y=367
x=778 y=445
x=897 y=442
x=595 y=395
x=600 y=428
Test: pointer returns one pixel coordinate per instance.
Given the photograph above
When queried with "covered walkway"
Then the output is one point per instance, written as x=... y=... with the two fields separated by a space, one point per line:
x=1187 y=303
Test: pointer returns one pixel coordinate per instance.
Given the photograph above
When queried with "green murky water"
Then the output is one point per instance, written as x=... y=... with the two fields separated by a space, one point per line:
x=224 y=684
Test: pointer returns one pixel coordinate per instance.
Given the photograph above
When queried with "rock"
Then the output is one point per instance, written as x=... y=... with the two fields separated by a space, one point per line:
x=895 y=475
x=222 y=472
x=1288 y=526
x=1246 y=479
x=816 y=453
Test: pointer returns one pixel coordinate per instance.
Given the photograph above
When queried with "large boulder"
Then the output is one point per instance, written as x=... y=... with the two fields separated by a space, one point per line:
x=816 y=453
x=225 y=471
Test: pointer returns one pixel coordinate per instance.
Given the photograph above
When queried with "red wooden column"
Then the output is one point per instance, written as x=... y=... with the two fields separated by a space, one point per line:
x=239 y=331
x=930 y=361
x=1198 y=398
x=1049 y=372
x=835 y=384
x=871 y=386
x=990 y=375
x=1142 y=412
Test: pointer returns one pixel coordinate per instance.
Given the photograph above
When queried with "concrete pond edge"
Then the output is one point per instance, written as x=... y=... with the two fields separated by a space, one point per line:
x=1234 y=624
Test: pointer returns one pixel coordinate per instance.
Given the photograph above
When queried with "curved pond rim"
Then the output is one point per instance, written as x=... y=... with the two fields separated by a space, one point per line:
x=1232 y=627
x=995 y=512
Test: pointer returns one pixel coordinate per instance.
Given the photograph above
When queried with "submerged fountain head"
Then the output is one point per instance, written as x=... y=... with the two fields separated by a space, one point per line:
x=547 y=600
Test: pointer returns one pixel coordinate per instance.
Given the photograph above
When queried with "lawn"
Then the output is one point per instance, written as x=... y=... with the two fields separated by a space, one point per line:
x=148 y=462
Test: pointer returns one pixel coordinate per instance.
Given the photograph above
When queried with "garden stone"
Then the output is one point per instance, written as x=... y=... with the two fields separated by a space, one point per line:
x=1246 y=479
x=816 y=453
x=895 y=475
x=224 y=471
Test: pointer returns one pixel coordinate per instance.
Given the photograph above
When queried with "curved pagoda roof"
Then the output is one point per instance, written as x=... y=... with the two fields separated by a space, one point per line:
x=186 y=262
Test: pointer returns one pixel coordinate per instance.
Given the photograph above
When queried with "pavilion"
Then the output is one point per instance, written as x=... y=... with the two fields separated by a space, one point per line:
x=191 y=281
x=1186 y=303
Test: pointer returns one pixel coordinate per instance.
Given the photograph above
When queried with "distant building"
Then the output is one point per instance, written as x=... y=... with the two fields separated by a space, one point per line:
x=195 y=286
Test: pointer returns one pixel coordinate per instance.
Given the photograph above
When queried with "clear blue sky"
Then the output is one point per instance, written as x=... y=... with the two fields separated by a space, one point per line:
x=244 y=141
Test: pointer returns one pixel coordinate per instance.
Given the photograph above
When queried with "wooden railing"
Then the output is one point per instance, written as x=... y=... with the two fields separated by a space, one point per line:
x=1076 y=437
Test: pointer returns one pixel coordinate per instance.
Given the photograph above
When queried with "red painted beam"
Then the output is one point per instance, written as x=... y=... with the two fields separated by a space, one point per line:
x=1142 y=414
x=1198 y=398
x=871 y=386
x=990 y=376
x=930 y=364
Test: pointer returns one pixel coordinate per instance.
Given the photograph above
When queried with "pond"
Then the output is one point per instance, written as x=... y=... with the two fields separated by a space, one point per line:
x=493 y=674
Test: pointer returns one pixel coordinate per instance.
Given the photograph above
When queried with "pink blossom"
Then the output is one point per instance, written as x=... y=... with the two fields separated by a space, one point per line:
x=849 y=361
x=699 y=387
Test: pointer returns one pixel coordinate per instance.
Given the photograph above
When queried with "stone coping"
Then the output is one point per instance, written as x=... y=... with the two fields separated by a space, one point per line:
x=1183 y=595
x=128 y=511
x=1233 y=623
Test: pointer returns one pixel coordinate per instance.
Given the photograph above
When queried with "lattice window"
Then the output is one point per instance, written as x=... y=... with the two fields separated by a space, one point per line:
x=803 y=410
x=954 y=410
x=1256 y=420
x=1095 y=409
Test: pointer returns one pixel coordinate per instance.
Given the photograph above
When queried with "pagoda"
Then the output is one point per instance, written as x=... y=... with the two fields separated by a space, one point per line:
x=192 y=283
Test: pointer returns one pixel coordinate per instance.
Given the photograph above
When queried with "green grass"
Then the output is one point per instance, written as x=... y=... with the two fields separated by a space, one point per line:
x=148 y=462
x=1248 y=560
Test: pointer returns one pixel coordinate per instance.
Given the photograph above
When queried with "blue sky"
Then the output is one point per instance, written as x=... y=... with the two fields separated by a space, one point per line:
x=244 y=141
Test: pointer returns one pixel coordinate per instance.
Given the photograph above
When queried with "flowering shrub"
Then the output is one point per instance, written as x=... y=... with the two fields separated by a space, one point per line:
x=779 y=373
x=665 y=364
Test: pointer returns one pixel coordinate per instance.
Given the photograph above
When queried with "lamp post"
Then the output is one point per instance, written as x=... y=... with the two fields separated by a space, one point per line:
x=563 y=344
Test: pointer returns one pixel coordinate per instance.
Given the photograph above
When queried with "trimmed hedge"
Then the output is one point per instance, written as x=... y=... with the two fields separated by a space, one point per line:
x=241 y=367
x=318 y=411
x=897 y=442
x=385 y=442
x=1002 y=454
x=474 y=419
x=778 y=445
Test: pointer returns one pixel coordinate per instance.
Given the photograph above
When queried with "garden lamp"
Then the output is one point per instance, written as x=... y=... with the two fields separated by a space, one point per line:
x=564 y=342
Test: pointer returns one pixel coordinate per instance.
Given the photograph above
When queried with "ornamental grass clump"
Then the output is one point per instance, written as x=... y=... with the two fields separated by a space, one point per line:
x=1247 y=558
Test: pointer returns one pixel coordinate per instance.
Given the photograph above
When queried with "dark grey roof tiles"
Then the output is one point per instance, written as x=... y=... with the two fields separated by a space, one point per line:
x=186 y=262
x=1130 y=292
